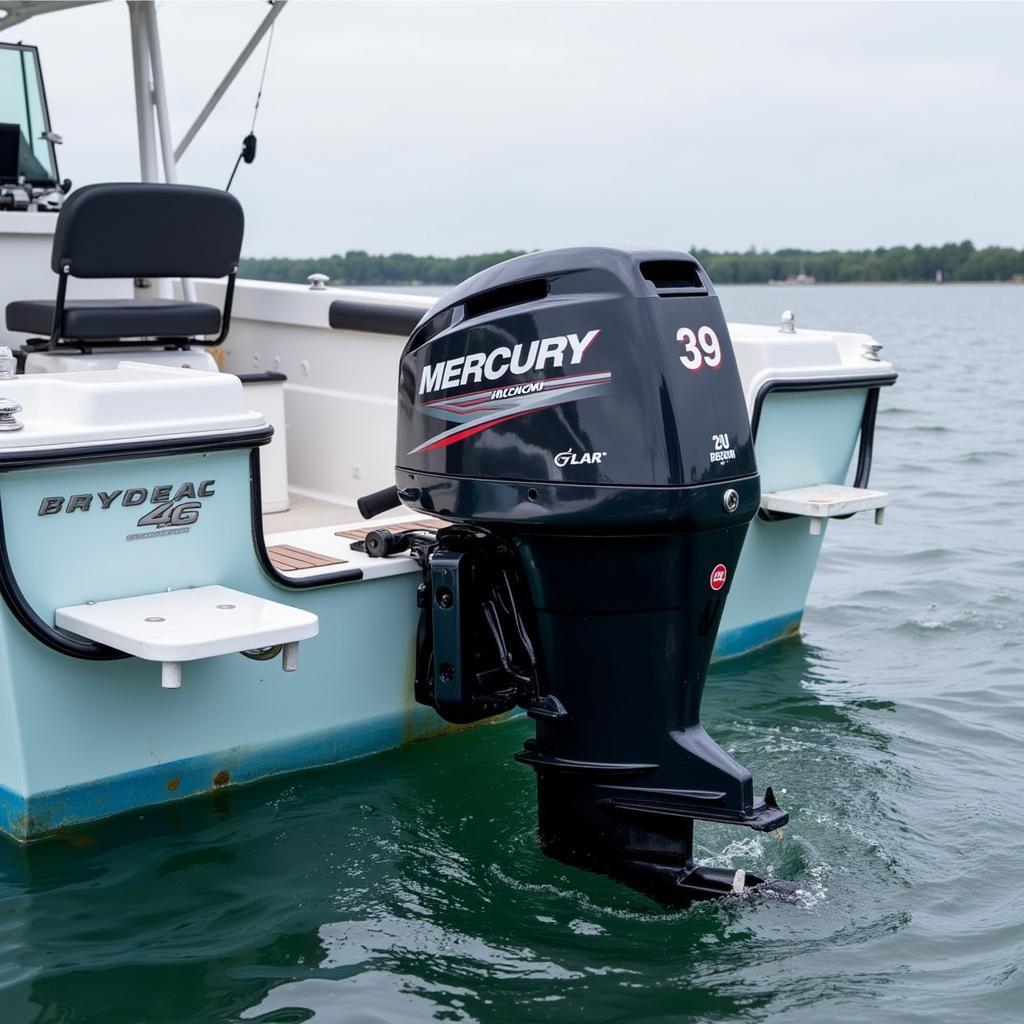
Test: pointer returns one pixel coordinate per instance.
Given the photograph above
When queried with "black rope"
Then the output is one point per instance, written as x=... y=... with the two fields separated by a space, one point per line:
x=234 y=170
x=248 y=153
x=263 y=78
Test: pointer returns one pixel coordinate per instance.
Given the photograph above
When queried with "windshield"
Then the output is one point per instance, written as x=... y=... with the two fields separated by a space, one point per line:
x=26 y=151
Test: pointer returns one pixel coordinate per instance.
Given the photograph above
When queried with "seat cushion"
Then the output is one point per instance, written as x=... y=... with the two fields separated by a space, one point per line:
x=103 y=319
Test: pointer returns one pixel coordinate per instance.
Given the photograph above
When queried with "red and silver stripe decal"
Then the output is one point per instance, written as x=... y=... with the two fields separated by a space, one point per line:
x=478 y=411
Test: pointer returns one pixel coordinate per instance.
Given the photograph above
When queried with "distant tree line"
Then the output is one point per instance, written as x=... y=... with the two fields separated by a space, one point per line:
x=361 y=268
x=957 y=262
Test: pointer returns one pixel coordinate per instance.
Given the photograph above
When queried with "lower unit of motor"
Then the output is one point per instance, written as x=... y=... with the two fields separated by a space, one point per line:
x=605 y=641
x=578 y=416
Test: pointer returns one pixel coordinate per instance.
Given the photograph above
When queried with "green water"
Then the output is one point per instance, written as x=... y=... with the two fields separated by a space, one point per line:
x=409 y=886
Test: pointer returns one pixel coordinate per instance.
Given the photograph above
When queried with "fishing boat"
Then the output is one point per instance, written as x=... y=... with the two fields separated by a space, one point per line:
x=191 y=599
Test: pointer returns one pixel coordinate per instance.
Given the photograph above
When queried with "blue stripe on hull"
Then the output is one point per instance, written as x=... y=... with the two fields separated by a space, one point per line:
x=44 y=813
x=743 y=639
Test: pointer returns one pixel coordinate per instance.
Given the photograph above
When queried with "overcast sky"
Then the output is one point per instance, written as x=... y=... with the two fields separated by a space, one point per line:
x=449 y=128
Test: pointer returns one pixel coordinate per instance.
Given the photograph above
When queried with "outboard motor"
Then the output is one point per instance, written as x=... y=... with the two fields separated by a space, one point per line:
x=578 y=416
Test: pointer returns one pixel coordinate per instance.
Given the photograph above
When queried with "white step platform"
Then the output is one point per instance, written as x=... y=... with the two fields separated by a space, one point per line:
x=826 y=501
x=185 y=625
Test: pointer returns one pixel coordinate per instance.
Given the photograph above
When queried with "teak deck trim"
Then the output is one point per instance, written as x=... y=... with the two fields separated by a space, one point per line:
x=287 y=558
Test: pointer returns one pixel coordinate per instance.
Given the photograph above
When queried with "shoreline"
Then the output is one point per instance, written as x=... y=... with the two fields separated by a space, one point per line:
x=718 y=284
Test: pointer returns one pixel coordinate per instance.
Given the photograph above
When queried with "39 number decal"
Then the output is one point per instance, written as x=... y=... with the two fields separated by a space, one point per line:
x=700 y=349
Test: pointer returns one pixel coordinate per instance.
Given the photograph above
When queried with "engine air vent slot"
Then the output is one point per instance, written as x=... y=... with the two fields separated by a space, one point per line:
x=434 y=326
x=674 y=277
x=508 y=295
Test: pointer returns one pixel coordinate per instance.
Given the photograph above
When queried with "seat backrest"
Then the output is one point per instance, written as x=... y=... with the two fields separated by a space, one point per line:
x=141 y=229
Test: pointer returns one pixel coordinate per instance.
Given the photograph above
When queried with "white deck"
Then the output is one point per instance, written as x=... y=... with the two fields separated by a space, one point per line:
x=304 y=512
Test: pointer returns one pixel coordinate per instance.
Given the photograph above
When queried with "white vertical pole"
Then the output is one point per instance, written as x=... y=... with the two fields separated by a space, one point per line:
x=156 y=61
x=163 y=120
x=148 y=167
x=143 y=95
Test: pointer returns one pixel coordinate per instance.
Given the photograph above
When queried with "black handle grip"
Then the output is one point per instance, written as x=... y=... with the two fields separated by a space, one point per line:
x=371 y=505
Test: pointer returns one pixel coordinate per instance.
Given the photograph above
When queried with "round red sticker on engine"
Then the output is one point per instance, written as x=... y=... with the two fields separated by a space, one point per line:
x=718 y=575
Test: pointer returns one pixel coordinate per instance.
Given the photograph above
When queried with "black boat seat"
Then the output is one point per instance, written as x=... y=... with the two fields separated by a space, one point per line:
x=136 y=230
x=98 y=319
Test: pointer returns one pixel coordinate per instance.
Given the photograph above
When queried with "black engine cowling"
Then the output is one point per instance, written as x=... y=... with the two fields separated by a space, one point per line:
x=578 y=416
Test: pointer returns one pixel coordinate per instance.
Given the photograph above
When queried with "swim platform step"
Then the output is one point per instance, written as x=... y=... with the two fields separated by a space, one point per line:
x=184 y=625
x=825 y=501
